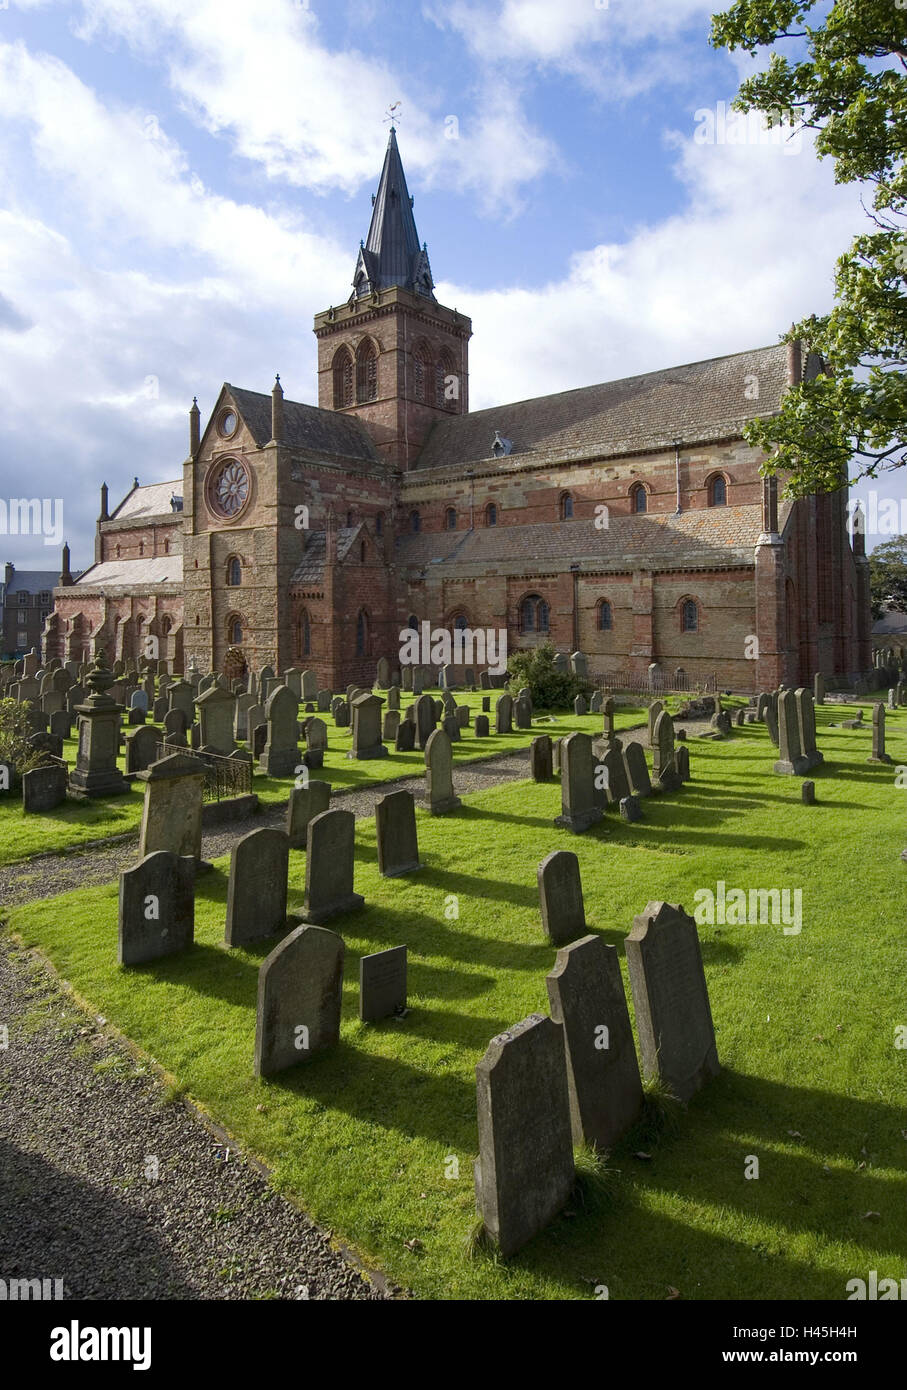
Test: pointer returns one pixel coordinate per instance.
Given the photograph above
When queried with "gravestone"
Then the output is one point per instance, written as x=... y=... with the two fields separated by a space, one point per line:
x=808 y=793
x=522 y=712
x=367 y=727
x=608 y=719
x=308 y=686
x=172 y=814
x=393 y=698
x=141 y=748
x=586 y=995
x=257 y=887
x=462 y=714
x=244 y=703
x=280 y=754
x=655 y=709
x=771 y=721
x=61 y=724
x=395 y=826
x=481 y=726
x=664 y=769
x=383 y=673
x=258 y=737
x=450 y=725
x=405 y=741
x=303 y=805
x=439 y=774
x=579 y=809
x=540 y=758
x=300 y=992
x=878 y=735
x=216 y=715
x=407 y=677
x=525 y=1173
x=486 y=704
x=579 y=665
x=630 y=808
x=43 y=788
x=791 y=760
x=561 y=897
x=503 y=714
x=595 y=702
x=819 y=688
x=382 y=984
x=323 y=702
x=316 y=743
x=637 y=769
x=329 y=866
x=139 y=700
x=96 y=772
x=617 y=785
x=671 y=1000
x=682 y=763
x=156 y=908
x=580 y=707
x=175 y=722
x=425 y=720
x=806 y=718
x=181 y=696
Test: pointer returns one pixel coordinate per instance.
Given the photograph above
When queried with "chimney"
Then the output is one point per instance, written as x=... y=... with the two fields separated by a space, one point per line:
x=66 y=572
x=9 y=572
x=195 y=433
x=770 y=505
x=105 y=514
x=330 y=540
x=795 y=362
x=277 y=412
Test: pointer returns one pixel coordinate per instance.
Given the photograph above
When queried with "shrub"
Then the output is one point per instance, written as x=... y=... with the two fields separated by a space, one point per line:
x=551 y=688
x=14 y=735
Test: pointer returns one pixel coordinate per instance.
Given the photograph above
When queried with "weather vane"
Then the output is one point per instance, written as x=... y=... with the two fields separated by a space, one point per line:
x=393 y=115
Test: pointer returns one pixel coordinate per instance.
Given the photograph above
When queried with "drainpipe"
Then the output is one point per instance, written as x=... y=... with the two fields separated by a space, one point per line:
x=574 y=570
x=472 y=520
x=677 y=446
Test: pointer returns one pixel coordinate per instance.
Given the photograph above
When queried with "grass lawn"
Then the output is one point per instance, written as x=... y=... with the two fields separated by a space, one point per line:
x=76 y=822
x=812 y=1083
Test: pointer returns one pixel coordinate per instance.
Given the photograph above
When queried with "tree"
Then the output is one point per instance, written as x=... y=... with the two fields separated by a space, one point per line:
x=15 y=731
x=550 y=687
x=850 y=87
x=888 y=575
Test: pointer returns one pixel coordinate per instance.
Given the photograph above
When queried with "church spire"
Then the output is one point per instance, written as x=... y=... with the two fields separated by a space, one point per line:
x=392 y=255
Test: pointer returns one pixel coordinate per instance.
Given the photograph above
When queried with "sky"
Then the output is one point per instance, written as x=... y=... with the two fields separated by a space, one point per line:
x=184 y=184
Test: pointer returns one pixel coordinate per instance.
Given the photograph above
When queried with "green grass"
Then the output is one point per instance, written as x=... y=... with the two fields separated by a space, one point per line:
x=363 y=1137
x=75 y=822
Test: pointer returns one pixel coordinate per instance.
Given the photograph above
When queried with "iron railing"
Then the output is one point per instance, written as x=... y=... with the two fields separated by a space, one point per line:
x=224 y=777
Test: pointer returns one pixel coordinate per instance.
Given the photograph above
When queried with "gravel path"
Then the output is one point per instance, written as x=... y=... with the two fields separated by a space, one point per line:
x=81 y=1126
x=46 y=875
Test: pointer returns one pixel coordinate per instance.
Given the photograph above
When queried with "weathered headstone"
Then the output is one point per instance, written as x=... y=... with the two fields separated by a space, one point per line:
x=439 y=774
x=481 y=726
x=579 y=809
x=671 y=1000
x=156 y=908
x=425 y=720
x=561 y=897
x=637 y=769
x=367 y=727
x=303 y=805
x=300 y=992
x=43 y=788
x=316 y=743
x=382 y=984
x=329 y=866
x=405 y=741
x=257 y=887
x=172 y=815
x=540 y=758
x=664 y=768
x=655 y=709
x=878 y=735
x=503 y=714
x=525 y=1171
x=280 y=755
x=586 y=995
x=682 y=763
x=395 y=825
x=630 y=808
x=141 y=748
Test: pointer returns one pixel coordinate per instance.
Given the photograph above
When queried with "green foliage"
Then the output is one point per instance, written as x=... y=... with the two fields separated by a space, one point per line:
x=888 y=575
x=14 y=735
x=551 y=688
x=851 y=90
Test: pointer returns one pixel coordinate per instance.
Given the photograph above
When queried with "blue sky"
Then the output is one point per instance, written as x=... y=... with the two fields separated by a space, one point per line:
x=184 y=183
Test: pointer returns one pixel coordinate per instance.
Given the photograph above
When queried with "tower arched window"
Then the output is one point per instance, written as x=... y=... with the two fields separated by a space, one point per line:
x=413 y=622
x=343 y=379
x=234 y=631
x=424 y=376
x=718 y=491
x=234 y=571
x=491 y=515
x=534 y=614
x=639 y=498
x=566 y=507
x=605 y=616
x=379 y=524
x=166 y=625
x=415 y=521
x=362 y=633
x=366 y=372
x=349 y=519
x=450 y=519
x=166 y=547
x=305 y=633
x=689 y=616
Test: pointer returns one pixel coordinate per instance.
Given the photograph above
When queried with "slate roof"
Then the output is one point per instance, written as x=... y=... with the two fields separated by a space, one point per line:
x=713 y=537
x=391 y=254
x=163 y=569
x=893 y=622
x=306 y=427
x=697 y=402
x=311 y=568
x=31 y=581
x=151 y=500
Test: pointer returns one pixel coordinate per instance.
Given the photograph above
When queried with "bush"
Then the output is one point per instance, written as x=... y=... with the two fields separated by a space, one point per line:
x=14 y=735
x=551 y=689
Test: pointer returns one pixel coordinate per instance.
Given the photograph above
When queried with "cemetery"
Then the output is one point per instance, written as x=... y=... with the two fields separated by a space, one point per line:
x=483 y=1036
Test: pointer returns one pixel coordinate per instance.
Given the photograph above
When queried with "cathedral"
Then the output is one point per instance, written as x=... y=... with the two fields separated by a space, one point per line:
x=628 y=520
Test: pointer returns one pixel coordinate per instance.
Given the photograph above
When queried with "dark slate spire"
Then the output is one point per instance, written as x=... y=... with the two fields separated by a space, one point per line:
x=392 y=254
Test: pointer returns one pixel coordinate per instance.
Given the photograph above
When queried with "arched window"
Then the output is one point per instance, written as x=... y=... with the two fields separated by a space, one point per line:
x=413 y=622
x=305 y=633
x=566 y=507
x=424 y=376
x=639 y=498
x=343 y=378
x=415 y=521
x=166 y=625
x=444 y=371
x=491 y=515
x=534 y=614
x=349 y=519
x=118 y=552
x=379 y=524
x=362 y=633
x=450 y=519
x=718 y=491
x=362 y=553
x=234 y=571
x=366 y=372
x=458 y=623
x=141 y=547
x=605 y=616
x=234 y=631
x=689 y=616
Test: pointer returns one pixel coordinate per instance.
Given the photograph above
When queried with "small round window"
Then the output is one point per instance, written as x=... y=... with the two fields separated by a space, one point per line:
x=228 y=423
